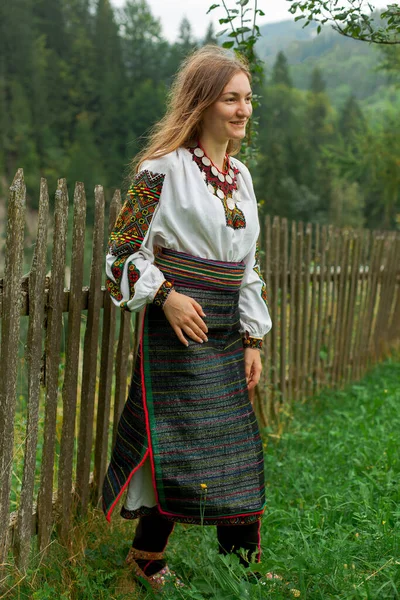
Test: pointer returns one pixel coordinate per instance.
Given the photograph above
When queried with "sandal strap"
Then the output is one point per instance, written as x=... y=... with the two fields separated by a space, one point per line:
x=157 y=580
x=134 y=553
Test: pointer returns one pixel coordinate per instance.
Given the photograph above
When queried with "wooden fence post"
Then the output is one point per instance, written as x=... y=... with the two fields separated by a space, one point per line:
x=106 y=375
x=322 y=292
x=276 y=329
x=121 y=364
x=298 y=315
x=10 y=324
x=37 y=278
x=306 y=310
x=292 y=313
x=52 y=360
x=283 y=309
x=69 y=392
x=90 y=355
x=267 y=345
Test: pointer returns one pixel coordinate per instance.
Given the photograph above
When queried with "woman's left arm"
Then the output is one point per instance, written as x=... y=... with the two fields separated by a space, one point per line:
x=255 y=320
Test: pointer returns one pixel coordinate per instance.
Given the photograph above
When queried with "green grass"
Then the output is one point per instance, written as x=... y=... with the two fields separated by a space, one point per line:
x=331 y=529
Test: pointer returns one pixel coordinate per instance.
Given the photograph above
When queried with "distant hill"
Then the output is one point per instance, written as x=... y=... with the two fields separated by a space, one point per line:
x=348 y=66
x=279 y=36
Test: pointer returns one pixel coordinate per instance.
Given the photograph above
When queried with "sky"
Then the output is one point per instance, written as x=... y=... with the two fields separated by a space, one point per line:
x=171 y=13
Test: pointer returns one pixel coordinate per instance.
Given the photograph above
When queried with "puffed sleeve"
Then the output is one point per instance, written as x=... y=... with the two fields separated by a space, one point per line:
x=255 y=320
x=131 y=277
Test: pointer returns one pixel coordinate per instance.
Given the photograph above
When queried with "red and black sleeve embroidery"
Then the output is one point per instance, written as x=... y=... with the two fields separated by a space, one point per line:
x=131 y=227
x=251 y=342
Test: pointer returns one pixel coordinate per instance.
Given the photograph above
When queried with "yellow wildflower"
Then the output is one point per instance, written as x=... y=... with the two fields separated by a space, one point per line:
x=203 y=486
x=296 y=593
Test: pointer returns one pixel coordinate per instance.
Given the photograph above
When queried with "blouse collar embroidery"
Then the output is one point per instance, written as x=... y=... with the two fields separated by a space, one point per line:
x=222 y=184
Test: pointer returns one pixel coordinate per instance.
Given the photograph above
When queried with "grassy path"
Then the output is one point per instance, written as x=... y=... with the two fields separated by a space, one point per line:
x=331 y=529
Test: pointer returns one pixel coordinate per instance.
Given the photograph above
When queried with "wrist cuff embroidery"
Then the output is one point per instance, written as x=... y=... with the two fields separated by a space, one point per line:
x=251 y=342
x=163 y=292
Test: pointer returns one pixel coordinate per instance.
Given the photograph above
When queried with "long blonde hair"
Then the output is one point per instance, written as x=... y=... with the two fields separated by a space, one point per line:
x=198 y=84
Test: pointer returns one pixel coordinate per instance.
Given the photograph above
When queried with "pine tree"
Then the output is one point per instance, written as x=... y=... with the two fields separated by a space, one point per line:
x=144 y=50
x=185 y=43
x=16 y=48
x=351 y=119
x=109 y=74
x=320 y=132
x=280 y=71
x=210 y=37
x=22 y=150
x=317 y=84
x=85 y=160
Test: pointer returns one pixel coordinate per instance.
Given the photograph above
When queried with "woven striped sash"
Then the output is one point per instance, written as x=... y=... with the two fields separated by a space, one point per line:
x=201 y=273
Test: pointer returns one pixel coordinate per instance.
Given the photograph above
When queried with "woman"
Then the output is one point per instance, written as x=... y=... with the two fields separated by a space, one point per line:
x=184 y=247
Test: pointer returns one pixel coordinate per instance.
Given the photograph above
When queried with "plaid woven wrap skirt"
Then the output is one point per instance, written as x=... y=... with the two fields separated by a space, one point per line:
x=188 y=408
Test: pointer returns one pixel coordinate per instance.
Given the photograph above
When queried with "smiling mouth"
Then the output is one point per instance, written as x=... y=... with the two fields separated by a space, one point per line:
x=238 y=122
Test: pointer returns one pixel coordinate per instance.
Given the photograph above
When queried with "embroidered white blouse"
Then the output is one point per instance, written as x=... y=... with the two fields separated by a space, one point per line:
x=179 y=202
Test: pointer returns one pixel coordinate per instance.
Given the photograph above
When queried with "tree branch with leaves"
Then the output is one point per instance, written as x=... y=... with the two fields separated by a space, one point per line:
x=356 y=20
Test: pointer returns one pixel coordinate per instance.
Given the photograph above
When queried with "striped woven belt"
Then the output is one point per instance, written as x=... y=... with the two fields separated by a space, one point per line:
x=201 y=273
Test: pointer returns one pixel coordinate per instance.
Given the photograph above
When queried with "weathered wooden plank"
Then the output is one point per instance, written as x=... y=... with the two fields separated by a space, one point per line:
x=267 y=340
x=106 y=374
x=395 y=321
x=90 y=354
x=310 y=382
x=341 y=307
x=284 y=307
x=320 y=315
x=292 y=319
x=34 y=351
x=394 y=324
x=362 y=283
x=373 y=290
x=121 y=369
x=52 y=359
x=368 y=283
x=69 y=391
x=306 y=309
x=10 y=324
x=299 y=314
x=332 y=308
x=387 y=287
x=275 y=260
x=351 y=307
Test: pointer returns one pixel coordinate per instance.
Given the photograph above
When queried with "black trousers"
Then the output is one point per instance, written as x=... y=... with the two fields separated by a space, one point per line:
x=152 y=535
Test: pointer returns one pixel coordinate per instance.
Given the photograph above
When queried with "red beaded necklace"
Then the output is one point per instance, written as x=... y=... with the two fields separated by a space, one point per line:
x=221 y=184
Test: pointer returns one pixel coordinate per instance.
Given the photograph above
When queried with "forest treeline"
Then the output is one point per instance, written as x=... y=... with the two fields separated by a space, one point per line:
x=82 y=82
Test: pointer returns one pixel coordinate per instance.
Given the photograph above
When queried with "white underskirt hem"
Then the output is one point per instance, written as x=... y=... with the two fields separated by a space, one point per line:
x=140 y=490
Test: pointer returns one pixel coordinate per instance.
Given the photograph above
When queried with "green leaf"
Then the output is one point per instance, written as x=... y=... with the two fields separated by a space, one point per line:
x=243 y=2
x=243 y=29
x=228 y=44
x=221 y=32
x=212 y=7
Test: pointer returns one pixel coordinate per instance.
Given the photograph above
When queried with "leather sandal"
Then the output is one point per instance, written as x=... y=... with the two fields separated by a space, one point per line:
x=157 y=580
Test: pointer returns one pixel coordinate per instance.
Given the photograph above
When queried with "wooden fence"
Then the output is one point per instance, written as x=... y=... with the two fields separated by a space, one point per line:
x=334 y=297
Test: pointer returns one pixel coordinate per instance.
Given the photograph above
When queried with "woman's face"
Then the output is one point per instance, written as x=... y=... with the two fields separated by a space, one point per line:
x=226 y=118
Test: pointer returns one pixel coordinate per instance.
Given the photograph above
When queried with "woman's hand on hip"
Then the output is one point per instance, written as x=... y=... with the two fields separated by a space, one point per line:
x=252 y=367
x=184 y=315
